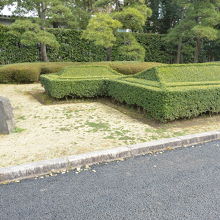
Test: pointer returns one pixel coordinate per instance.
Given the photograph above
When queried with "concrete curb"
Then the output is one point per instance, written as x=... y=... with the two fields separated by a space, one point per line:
x=9 y=174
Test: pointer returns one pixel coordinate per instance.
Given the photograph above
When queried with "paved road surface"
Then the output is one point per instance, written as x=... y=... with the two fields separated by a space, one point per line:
x=179 y=184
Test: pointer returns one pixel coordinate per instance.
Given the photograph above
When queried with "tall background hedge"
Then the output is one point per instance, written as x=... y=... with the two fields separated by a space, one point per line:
x=73 y=48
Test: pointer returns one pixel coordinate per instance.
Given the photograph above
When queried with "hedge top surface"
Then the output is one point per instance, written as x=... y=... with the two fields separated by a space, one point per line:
x=166 y=92
x=172 y=75
x=86 y=72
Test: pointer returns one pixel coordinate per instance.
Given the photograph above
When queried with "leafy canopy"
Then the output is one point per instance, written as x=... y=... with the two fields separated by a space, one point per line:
x=101 y=29
x=30 y=33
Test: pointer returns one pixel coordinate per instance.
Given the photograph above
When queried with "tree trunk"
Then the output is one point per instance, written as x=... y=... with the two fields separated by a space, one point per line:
x=43 y=53
x=117 y=5
x=42 y=16
x=109 y=54
x=179 y=48
x=197 y=50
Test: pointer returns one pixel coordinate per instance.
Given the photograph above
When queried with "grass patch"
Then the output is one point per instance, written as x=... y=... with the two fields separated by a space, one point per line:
x=97 y=126
x=18 y=130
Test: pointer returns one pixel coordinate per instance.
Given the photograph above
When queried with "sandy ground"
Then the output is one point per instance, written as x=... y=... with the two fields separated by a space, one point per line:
x=49 y=131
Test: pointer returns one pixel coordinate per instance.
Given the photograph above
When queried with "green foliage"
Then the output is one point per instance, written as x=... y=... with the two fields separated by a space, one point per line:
x=166 y=93
x=128 y=15
x=186 y=73
x=132 y=17
x=131 y=49
x=199 y=22
x=28 y=72
x=30 y=33
x=130 y=68
x=87 y=71
x=166 y=14
x=101 y=30
x=21 y=74
x=205 y=32
x=82 y=81
x=74 y=48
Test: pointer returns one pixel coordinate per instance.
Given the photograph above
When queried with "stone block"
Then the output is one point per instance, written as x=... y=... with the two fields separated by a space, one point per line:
x=6 y=116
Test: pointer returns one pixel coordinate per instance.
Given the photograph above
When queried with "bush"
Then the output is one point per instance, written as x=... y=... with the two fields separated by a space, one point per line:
x=166 y=92
x=20 y=74
x=79 y=81
x=130 y=68
x=75 y=49
x=183 y=73
x=30 y=72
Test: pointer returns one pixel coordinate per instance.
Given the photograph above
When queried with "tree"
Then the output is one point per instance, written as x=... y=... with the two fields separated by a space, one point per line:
x=44 y=13
x=131 y=50
x=82 y=11
x=166 y=14
x=101 y=30
x=133 y=17
x=127 y=14
x=199 y=22
x=31 y=33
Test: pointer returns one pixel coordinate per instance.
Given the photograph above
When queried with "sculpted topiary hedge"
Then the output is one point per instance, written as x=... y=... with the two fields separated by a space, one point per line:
x=30 y=72
x=166 y=92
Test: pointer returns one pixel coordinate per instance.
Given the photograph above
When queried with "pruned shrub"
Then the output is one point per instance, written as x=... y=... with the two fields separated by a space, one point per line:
x=79 y=81
x=30 y=72
x=20 y=74
x=130 y=68
x=167 y=92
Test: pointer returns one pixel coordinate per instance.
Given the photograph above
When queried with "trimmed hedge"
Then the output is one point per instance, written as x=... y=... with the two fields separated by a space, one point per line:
x=75 y=49
x=81 y=81
x=183 y=73
x=167 y=93
x=30 y=72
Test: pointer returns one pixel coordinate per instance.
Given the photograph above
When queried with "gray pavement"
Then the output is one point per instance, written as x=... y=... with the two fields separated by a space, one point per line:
x=179 y=184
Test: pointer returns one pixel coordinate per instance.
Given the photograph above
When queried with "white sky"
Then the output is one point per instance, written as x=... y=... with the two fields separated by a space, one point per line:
x=7 y=11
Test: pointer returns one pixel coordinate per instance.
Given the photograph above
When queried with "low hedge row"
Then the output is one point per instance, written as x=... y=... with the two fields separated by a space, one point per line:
x=149 y=89
x=183 y=73
x=74 y=81
x=30 y=72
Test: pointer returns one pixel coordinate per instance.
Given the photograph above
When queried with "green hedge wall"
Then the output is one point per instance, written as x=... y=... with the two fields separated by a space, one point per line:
x=73 y=48
x=187 y=97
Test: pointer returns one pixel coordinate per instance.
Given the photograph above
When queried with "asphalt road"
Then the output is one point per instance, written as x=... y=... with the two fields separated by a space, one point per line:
x=179 y=184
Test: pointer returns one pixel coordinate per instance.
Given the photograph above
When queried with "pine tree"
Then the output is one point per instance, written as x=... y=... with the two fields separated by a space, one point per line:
x=199 y=22
x=43 y=14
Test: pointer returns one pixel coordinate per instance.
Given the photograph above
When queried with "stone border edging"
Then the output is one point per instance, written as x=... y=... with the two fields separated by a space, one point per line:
x=13 y=173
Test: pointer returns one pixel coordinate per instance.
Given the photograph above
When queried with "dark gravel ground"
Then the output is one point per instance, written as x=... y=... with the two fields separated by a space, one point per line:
x=178 y=184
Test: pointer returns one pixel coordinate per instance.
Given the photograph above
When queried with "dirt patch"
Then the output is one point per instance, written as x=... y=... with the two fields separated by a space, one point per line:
x=74 y=127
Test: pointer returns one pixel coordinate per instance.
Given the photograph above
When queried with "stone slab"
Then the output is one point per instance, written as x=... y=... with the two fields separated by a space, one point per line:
x=7 y=123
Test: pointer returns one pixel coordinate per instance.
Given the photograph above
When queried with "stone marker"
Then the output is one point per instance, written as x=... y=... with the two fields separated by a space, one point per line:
x=6 y=116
